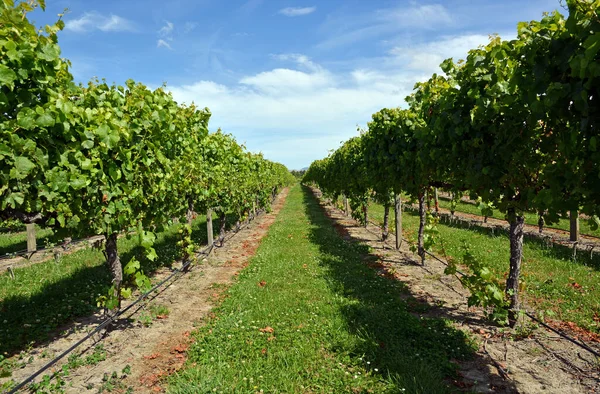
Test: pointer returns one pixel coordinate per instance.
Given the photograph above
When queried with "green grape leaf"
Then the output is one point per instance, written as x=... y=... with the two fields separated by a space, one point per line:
x=26 y=119
x=126 y=292
x=45 y=120
x=7 y=76
x=22 y=167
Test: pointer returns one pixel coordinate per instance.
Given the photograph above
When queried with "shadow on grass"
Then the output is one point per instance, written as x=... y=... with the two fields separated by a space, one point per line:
x=43 y=312
x=418 y=353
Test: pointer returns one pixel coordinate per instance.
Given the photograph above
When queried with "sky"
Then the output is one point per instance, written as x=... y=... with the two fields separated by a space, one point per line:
x=291 y=79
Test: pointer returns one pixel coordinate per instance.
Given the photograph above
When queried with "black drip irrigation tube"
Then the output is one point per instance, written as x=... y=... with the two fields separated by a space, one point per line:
x=526 y=313
x=205 y=252
x=562 y=334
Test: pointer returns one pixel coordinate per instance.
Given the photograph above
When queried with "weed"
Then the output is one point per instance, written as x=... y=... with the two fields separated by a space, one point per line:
x=524 y=330
x=159 y=311
x=145 y=319
x=98 y=355
x=114 y=382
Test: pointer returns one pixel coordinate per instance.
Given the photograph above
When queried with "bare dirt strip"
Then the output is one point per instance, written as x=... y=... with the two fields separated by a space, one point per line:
x=533 y=360
x=139 y=357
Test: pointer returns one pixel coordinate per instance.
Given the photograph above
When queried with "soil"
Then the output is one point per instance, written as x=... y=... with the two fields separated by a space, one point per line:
x=528 y=359
x=140 y=356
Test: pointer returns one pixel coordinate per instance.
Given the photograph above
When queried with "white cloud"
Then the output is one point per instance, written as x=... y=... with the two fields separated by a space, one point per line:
x=427 y=57
x=162 y=43
x=166 y=30
x=283 y=81
x=96 y=21
x=295 y=116
x=299 y=59
x=297 y=11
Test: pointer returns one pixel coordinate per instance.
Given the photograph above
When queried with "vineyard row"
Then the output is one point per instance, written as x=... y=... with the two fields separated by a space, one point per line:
x=516 y=125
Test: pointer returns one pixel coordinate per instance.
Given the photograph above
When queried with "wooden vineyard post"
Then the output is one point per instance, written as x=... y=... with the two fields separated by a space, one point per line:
x=398 y=216
x=516 y=255
x=574 y=216
x=386 y=223
x=31 y=243
x=346 y=206
x=114 y=264
x=422 y=219
x=209 y=226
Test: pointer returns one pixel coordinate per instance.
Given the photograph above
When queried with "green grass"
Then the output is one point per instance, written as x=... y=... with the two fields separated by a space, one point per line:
x=551 y=280
x=45 y=296
x=530 y=218
x=11 y=242
x=337 y=326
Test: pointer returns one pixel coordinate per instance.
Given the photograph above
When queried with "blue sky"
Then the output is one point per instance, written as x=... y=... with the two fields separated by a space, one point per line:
x=291 y=79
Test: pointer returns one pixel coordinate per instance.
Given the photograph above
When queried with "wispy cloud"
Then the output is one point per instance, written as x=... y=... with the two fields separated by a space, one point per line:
x=166 y=30
x=162 y=43
x=297 y=11
x=189 y=26
x=166 y=35
x=96 y=21
x=301 y=60
x=346 y=30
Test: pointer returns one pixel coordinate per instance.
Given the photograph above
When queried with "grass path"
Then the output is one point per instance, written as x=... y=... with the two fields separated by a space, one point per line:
x=551 y=281
x=309 y=316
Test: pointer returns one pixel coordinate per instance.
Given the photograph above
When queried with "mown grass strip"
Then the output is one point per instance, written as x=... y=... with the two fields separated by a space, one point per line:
x=309 y=316
x=551 y=281
x=530 y=218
